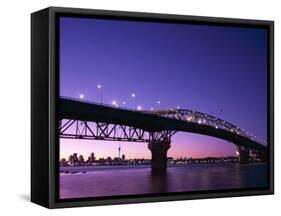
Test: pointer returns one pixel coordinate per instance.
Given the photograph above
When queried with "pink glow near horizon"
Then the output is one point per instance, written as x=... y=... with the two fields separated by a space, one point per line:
x=183 y=145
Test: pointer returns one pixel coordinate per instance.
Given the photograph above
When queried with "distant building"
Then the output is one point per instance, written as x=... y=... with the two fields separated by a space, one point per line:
x=71 y=160
x=123 y=157
x=75 y=159
x=81 y=160
x=63 y=162
x=91 y=158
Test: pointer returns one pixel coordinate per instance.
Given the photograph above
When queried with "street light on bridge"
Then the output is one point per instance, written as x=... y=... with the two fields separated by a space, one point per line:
x=133 y=95
x=158 y=103
x=101 y=92
x=114 y=103
x=81 y=96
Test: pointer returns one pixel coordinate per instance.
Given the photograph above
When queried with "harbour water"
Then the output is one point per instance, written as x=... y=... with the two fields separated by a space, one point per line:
x=93 y=181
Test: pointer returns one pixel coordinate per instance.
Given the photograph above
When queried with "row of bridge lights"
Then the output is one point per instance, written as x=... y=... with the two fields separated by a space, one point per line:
x=238 y=130
x=133 y=96
x=115 y=103
x=139 y=108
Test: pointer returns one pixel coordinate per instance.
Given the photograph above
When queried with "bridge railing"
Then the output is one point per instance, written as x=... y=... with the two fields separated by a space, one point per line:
x=99 y=104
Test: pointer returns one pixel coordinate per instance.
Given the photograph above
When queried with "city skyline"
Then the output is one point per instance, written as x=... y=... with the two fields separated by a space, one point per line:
x=79 y=160
x=216 y=70
x=140 y=150
x=92 y=157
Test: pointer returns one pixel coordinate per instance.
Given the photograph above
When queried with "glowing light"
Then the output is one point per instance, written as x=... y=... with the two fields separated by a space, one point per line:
x=114 y=103
x=151 y=109
x=216 y=127
x=139 y=108
x=178 y=107
x=237 y=153
x=199 y=121
x=133 y=95
x=124 y=102
x=158 y=102
x=81 y=96
x=99 y=86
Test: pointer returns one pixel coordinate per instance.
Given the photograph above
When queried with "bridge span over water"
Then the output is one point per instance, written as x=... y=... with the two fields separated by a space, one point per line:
x=80 y=119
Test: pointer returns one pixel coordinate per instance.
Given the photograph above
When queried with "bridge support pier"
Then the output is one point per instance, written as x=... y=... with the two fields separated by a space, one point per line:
x=159 y=156
x=262 y=156
x=243 y=155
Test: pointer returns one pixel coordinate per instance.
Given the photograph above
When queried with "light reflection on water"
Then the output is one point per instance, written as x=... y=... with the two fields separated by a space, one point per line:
x=114 y=181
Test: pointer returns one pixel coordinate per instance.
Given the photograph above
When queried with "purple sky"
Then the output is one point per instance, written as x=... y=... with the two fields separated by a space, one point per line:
x=213 y=69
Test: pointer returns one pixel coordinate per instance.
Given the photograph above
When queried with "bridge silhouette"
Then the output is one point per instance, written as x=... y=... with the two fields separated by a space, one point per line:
x=80 y=119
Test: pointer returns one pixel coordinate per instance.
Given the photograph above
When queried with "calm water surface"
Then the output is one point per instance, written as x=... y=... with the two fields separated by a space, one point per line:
x=124 y=180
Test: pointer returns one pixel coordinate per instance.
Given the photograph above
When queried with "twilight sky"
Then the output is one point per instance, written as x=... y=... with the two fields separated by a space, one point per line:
x=213 y=69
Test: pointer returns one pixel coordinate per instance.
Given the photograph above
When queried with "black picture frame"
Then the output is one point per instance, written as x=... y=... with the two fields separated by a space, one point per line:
x=44 y=106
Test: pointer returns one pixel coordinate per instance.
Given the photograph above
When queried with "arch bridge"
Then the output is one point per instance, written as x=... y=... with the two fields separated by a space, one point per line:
x=87 y=120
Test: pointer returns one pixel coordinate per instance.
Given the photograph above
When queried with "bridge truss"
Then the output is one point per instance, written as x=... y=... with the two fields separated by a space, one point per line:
x=76 y=129
x=205 y=119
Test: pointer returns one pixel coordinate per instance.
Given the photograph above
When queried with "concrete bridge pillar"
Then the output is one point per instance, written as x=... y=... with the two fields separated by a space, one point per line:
x=159 y=156
x=243 y=155
x=258 y=155
x=262 y=156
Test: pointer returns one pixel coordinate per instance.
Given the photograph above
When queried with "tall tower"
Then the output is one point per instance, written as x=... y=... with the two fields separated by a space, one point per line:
x=119 y=151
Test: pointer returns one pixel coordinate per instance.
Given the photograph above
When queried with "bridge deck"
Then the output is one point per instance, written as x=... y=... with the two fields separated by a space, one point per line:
x=81 y=110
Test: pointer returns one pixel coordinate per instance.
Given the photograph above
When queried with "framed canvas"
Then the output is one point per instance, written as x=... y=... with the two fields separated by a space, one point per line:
x=139 y=107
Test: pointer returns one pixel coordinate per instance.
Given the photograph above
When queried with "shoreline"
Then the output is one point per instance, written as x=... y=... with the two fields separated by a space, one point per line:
x=85 y=169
